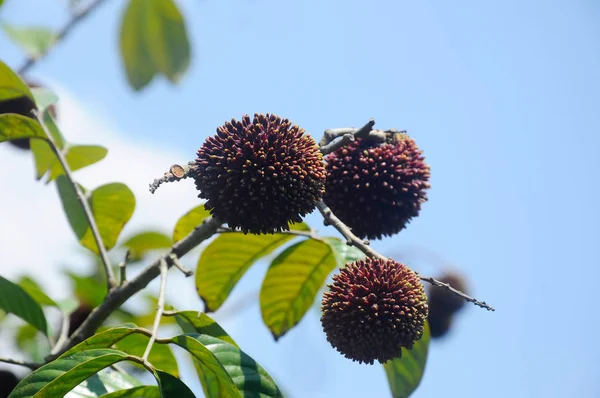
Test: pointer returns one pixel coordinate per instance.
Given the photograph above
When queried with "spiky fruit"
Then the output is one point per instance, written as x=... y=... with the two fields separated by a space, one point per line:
x=261 y=174
x=444 y=304
x=377 y=188
x=374 y=308
x=23 y=106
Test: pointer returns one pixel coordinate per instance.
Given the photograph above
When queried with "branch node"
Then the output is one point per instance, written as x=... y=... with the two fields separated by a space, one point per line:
x=175 y=261
x=123 y=267
x=176 y=173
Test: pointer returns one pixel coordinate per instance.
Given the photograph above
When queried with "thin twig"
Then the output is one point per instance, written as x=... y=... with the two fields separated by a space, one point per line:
x=175 y=173
x=175 y=261
x=76 y=17
x=30 y=365
x=89 y=215
x=64 y=332
x=447 y=286
x=164 y=268
x=122 y=293
x=123 y=267
x=334 y=139
x=337 y=144
x=363 y=246
x=346 y=232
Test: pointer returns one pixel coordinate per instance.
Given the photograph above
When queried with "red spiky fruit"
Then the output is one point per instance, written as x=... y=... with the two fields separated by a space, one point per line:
x=377 y=188
x=261 y=174
x=373 y=309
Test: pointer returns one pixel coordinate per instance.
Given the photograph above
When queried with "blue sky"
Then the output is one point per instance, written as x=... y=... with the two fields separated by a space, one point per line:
x=502 y=97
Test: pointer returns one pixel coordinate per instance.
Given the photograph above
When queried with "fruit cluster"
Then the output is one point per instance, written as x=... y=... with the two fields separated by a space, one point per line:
x=260 y=174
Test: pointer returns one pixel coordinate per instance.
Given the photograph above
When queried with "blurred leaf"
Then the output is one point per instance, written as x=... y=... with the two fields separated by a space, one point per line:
x=43 y=97
x=78 y=157
x=105 y=381
x=189 y=221
x=30 y=341
x=112 y=206
x=147 y=318
x=35 y=291
x=136 y=392
x=292 y=282
x=13 y=126
x=88 y=289
x=35 y=41
x=200 y=323
x=58 y=377
x=153 y=39
x=15 y=300
x=11 y=85
x=248 y=376
x=161 y=356
x=228 y=257
x=404 y=374
x=343 y=253
x=143 y=242
x=215 y=380
x=167 y=38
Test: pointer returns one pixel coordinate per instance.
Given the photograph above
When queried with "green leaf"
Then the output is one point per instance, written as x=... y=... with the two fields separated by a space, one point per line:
x=58 y=377
x=141 y=392
x=249 y=377
x=35 y=41
x=153 y=39
x=404 y=374
x=15 y=300
x=78 y=157
x=228 y=257
x=112 y=206
x=216 y=382
x=161 y=356
x=11 y=85
x=292 y=282
x=189 y=221
x=200 y=323
x=35 y=291
x=103 y=339
x=344 y=254
x=171 y=386
x=13 y=127
x=135 y=49
x=103 y=382
x=167 y=38
x=143 y=242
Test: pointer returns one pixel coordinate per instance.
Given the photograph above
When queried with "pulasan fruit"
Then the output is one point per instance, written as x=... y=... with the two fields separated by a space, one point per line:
x=377 y=188
x=373 y=309
x=260 y=174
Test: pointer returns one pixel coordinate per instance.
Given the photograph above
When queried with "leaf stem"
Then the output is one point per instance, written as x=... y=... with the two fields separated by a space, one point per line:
x=89 y=215
x=159 y=308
